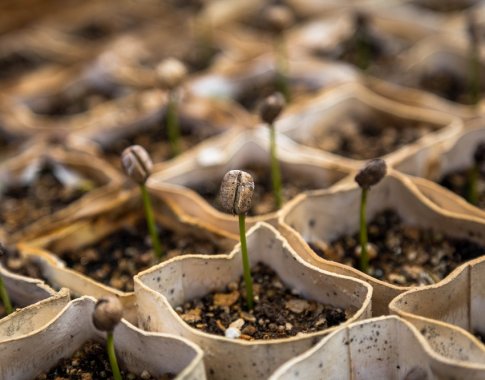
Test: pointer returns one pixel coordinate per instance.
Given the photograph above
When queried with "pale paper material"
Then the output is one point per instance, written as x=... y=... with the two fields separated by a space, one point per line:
x=169 y=284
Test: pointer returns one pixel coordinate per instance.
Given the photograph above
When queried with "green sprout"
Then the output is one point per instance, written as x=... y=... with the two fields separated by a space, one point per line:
x=474 y=60
x=279 y=18
x=171 y=74
x=474 y=173
x=235 y=196
x=138 y=166
x=108 y=312
x=3 y=290
x=362 y=40
x=270 y=109
x=371 y=174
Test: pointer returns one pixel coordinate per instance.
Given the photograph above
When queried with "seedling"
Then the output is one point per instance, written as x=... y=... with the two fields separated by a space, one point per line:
x=171 y=74
x=107 y=314
x=138 y=166
x=271 y=108
x=3 y=290
x=362 y=40
x=371 y=174
x=235 y=196
x=474 y=59
x=279 y=18
x=474 y=173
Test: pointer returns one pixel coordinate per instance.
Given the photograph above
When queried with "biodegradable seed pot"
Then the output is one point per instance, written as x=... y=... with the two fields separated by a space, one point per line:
x=190 y=185
x=398 y=215
x=46 y=185
x=34 y=316
x=100 y=255
x=459 y=301
x=138 y=351
x=352 y=124
x=378 y=348
x=162 y=289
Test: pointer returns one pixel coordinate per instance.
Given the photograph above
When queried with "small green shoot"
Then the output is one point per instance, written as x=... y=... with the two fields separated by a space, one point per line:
x=235 y=196
x=7 y=304
x=171 y=74
x=138 y=166
x=270 y=110
x=279 y=18
x=371 y=174
x=108 y=312
x=474 y=75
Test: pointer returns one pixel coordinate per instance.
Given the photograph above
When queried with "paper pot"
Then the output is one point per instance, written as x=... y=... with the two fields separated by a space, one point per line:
x=317 y=216
x=162 y=288
x=378 y=348
x=305 y=122
x=457 y=156
x=459 y=301
x=28 y=356
x=199 y=117
x=47 y=250
x=29 y=318
x=71 y=169
x=209 y=163
x=442 y=59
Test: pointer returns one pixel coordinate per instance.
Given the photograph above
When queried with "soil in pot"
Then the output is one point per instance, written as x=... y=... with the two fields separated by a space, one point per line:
x=155 y=140
x=23 y=204
x=15 y=64
x=404 y=255
x=90 y=362
x=116 y=258
x=263 y=199
x=73 y=101
x=449 y=85
x=15 y=263
x=364 y=138
x=444 y=6
x=458 y=183
x=277 y=313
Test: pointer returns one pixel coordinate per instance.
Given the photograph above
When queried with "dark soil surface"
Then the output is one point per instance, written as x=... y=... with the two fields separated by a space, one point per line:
x=458 y=182
x=15 y=64
x=480 y=337
x=118 y=257
x=449 y=85
x=14 y=262
x=277 y=313
x=71 y=102
x=263 y=199
x=155 y=140
x=444 y=6
x=21 y=205
x=363 y=139
x=91 y=362
x=404 y=255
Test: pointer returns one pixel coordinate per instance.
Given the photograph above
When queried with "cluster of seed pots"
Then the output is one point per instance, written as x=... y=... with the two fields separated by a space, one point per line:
x=240 y=207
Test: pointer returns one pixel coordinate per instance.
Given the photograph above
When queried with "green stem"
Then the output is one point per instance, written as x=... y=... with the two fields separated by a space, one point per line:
x=363 y=52
x=282 y=84
x=152 y=228
x=248 y=280
x=110 y=347
x=275 y=169
x=473 y=175
x=474 y=75
x=173 y=129
x=364 y=257
x=5 y=298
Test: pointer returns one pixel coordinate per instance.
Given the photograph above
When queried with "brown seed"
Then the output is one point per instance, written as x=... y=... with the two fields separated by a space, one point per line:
x=279 y=18
x=137 y=163
x=372 y=173
x=272 y=107
x=236 y=192
x=171 y=73
x=108 y=312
